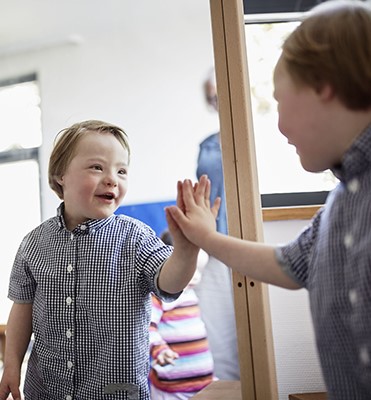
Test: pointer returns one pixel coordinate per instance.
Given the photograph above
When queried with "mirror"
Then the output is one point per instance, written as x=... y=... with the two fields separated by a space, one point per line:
x=259 y=377
x=142 y=66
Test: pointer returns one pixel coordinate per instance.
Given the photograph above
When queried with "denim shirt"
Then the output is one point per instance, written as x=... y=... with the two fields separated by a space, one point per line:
x=210 y=163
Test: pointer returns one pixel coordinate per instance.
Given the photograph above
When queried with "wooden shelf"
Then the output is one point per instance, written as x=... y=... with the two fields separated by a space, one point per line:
x=289 y=213
x=220 y=390
x=231 y=390
x=308 y=396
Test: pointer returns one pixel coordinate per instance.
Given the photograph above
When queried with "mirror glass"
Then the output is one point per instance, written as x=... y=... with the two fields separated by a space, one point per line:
x=140 y=65
x=263 y=43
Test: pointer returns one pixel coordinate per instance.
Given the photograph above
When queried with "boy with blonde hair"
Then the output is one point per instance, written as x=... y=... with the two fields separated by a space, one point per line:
x=81 y=281
x=323 y=89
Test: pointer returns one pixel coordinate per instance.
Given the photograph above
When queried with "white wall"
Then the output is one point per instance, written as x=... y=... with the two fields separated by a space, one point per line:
x=297 y=364
x=144 y=72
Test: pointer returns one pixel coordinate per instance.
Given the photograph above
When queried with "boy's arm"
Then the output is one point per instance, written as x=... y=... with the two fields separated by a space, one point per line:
x=256 y=260
x=18 y=334
x=197 y=222
x=180 y=267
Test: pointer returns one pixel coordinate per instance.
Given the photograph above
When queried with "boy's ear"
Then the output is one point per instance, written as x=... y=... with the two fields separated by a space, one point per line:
x=326 y=92
x=60 y=180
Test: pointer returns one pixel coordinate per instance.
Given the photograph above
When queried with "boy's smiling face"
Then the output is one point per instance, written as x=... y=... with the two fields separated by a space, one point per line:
x=95 y=182
x=305 y=120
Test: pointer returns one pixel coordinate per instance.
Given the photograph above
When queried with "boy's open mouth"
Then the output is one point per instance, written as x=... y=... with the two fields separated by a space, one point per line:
x=108 y=196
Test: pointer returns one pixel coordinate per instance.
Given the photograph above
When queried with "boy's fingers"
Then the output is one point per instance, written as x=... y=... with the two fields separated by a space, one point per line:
x=216 y=206
x=188 y=196
x=170 y=221
x=201 y=190
x=4 y=395
x=16 y=393
x=173 y=213
x=207 y=190
x=5 y=392
x=179 y=199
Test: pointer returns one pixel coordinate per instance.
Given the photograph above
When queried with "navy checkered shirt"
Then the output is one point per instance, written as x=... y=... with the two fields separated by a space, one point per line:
x=90 y=290
x=331 y=258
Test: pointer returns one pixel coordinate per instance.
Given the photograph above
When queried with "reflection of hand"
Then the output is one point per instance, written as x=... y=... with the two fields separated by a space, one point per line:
x=179 y=239
x=167 y=357
x=194 y=216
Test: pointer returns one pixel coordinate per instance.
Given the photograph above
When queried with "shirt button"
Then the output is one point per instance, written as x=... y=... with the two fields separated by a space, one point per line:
x=348 y=240
x=353 y=297
x=83 y=227
x=69 y=301
x=353 y=185
x=69 y=364
x=68 y=397
x=69 y=333
x=69 y=268
x=72 y=236
x=364 y=356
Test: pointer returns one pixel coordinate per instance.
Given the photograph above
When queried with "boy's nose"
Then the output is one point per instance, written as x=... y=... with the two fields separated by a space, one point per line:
x=110 y=180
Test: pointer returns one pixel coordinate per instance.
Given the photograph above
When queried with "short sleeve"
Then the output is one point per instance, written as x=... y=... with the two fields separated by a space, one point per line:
x=164 y=296
x=22 y=285
x=295 y=257
x=151 y=255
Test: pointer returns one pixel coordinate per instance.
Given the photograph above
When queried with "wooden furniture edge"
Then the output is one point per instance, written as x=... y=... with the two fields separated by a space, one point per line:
x=220 y=390
x=289 y=213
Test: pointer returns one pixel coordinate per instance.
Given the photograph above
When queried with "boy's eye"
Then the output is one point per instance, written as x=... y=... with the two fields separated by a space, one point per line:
x=97 y=167
x=123 y=172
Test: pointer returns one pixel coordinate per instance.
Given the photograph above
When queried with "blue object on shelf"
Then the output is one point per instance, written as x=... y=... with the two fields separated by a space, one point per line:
x=152 y=214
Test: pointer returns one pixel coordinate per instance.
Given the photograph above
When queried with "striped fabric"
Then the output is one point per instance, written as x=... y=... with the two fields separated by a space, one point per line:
x=178 y=325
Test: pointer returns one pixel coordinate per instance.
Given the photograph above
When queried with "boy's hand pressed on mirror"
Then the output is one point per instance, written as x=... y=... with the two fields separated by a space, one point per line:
x=179 y=269
x=198 y=223
x=196 y=218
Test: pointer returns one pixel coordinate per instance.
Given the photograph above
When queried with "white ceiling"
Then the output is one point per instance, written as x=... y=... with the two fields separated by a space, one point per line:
x=38 y=23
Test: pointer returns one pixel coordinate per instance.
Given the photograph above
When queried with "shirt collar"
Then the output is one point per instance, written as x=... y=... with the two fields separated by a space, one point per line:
x=89 y=226
x=356 y=159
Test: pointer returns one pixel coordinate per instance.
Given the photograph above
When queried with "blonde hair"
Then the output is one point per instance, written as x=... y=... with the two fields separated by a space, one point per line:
x=66 y=143
x=333 y=46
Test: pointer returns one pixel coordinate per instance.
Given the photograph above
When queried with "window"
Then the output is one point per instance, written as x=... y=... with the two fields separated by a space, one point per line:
x=20 y=207
x=274 y=6
x=274 y=156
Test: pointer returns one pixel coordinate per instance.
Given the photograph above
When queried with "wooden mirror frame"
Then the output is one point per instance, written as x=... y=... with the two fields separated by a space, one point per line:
x=253 y=320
